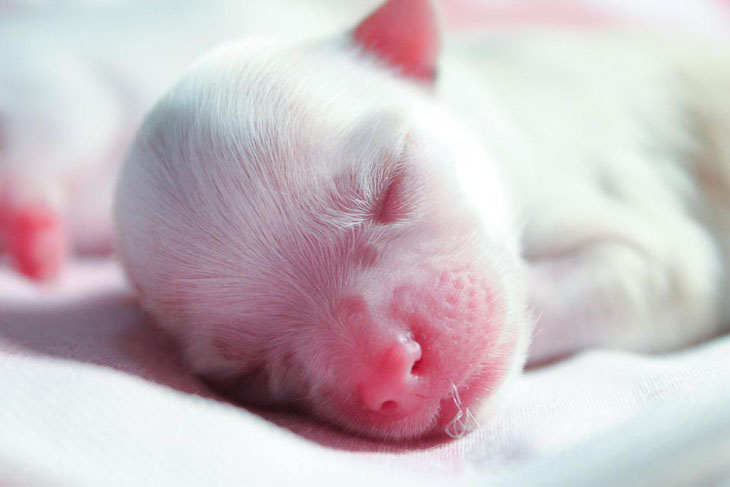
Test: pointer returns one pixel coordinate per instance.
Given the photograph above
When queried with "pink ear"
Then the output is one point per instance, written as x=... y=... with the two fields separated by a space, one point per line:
x=404 y=33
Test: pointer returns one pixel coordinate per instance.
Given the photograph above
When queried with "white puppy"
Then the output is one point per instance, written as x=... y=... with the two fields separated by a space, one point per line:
x=359 y=227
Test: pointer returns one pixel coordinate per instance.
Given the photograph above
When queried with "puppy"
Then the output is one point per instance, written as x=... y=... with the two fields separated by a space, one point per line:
x=367 y=227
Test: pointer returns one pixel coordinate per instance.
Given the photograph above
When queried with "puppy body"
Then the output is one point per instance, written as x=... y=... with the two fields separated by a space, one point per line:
x=617 y=162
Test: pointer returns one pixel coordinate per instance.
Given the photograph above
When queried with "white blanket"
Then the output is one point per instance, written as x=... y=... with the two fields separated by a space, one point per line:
x=90 y=394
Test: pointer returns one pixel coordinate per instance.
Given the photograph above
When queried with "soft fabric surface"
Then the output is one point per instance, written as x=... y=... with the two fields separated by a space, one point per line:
x=91 y=394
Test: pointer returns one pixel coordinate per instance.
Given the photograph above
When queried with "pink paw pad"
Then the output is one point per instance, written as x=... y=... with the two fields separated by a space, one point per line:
x=36 y=239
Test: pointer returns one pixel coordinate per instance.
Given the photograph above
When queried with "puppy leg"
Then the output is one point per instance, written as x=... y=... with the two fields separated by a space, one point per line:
x=644 y=283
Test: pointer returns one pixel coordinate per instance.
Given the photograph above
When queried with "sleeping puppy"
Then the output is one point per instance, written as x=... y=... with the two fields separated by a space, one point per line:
x=367 y=227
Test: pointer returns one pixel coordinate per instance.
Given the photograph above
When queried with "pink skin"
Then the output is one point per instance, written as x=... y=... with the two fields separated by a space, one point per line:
x=426 y=341
x=414 y=51
x=396 y=356
x=34 y=235
x=40 y=231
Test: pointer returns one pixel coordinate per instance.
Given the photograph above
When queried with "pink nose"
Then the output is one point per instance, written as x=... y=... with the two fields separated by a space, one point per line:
x=393 y=385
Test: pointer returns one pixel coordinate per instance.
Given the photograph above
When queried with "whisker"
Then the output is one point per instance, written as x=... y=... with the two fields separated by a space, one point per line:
x=464 y=420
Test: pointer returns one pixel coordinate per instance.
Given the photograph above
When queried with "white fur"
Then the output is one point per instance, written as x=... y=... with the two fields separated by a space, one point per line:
x=595 y=144
x=248 y=178
x=608 y=134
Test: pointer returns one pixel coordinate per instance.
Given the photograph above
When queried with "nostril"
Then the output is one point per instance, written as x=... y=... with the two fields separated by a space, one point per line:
x=417 y=367
x=392 y=383
x=389 y=406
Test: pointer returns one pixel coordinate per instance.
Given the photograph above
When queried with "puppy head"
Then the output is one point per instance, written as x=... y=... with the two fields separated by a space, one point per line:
x=320 y=233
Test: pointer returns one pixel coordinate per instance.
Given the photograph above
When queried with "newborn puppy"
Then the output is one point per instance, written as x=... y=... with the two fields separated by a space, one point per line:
x=320 y=230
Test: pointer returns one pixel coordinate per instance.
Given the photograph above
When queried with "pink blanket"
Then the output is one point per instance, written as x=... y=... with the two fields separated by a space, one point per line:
x=90 y=394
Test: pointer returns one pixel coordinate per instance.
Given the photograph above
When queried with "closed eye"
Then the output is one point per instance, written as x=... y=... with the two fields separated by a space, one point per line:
x=392 y=206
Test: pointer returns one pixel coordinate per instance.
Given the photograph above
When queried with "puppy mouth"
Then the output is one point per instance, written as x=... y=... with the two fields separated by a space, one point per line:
x=452 y=415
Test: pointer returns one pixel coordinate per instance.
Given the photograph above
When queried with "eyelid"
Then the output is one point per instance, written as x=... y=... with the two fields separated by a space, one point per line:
x=394 y=202
x=391 y=206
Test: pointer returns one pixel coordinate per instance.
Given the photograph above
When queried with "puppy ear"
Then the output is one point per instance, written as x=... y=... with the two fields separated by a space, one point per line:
x=405 y=35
